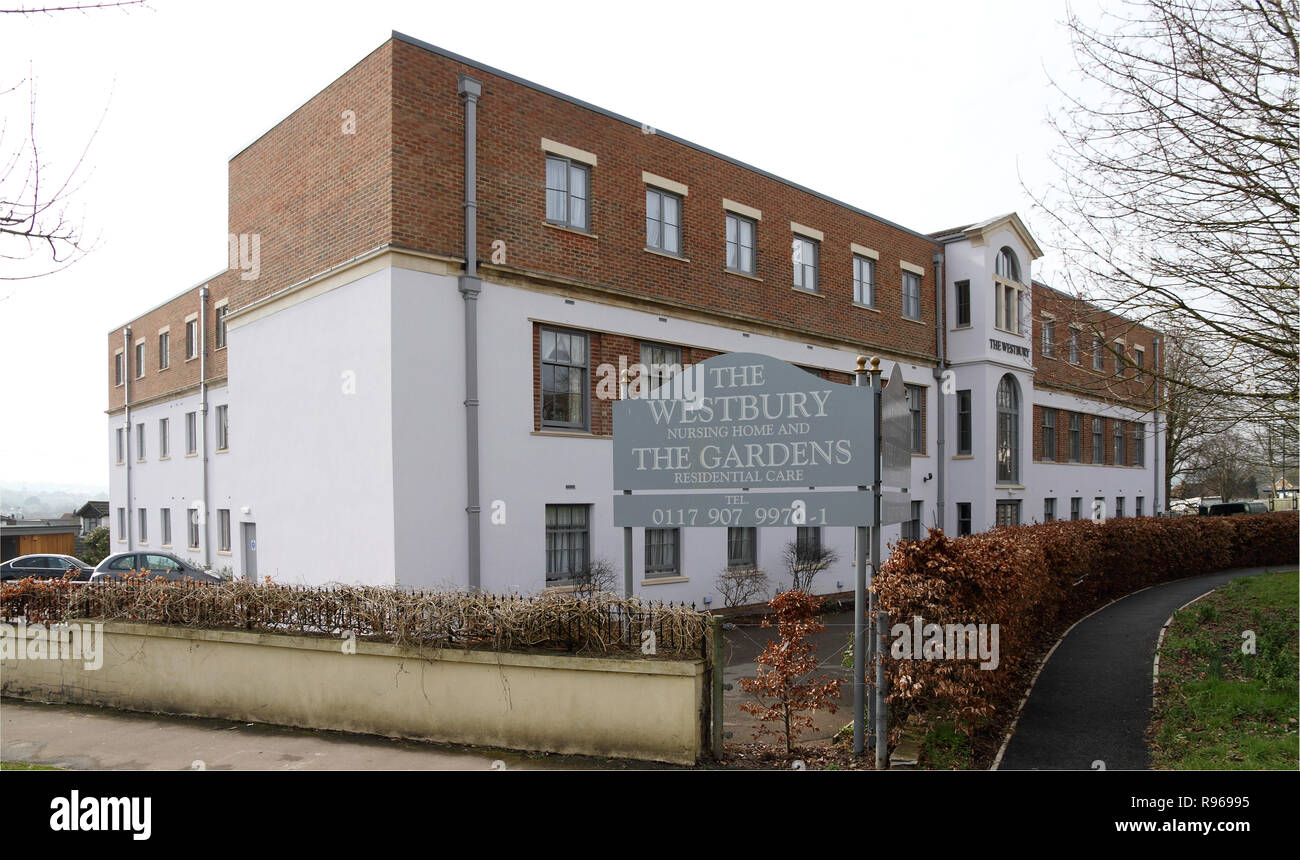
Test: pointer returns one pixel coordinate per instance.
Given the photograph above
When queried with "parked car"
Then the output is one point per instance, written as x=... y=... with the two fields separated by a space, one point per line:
x=1224 y=509
x=45 y=566
x=153 y=564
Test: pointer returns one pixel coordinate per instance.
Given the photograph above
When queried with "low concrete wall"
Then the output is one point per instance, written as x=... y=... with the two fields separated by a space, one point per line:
x=629 y=708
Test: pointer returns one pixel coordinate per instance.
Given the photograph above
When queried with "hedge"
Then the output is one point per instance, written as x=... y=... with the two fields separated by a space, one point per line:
x=1034 y=581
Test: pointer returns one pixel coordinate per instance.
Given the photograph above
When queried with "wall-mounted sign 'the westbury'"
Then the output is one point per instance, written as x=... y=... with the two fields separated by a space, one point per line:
x=744 y=420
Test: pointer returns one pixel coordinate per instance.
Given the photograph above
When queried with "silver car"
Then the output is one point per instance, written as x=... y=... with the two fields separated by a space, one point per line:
x=153 y=565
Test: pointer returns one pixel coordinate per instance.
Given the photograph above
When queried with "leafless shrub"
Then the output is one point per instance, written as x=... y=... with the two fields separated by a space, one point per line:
x=740 y=586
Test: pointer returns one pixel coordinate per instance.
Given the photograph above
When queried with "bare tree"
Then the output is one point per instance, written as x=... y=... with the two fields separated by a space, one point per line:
x=595 y=577
x=1178 y=201
x=805 y=559
x=38 y=235
x=741 y=586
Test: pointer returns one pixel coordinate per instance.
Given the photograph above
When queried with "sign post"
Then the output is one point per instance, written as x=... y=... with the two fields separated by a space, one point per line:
x=724 y=442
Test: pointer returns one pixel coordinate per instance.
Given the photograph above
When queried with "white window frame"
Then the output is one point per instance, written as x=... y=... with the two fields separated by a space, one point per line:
x=164 y=439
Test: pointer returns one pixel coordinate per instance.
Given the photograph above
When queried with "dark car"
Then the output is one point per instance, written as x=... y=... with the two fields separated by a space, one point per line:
x=45 y=566
x=153 y=565
x=1225 y=509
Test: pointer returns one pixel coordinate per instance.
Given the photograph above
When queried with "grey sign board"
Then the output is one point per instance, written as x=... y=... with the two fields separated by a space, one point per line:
x=810 y=508
x=895 y=433
x=744 y=420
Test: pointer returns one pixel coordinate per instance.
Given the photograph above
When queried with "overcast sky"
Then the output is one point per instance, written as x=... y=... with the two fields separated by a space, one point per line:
x=929 y=114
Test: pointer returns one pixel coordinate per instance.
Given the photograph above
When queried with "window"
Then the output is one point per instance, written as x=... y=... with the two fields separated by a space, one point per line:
x=916 y=407
x=662 y=363
x=808 y=541
x=164 y=348
x=223 y=427
x=1007 y=265
x=1119 y=507
x=564 y=379
x=864 y=281
x=139 y=442
x=567 y=542
x=220 y=314
x=805 y=263
x=194 y=528
x=1119 y=443
x=1049 y=510
x=1140 y=359
x=566 y=192
x=963 y=302
x=911 y=529
x=119 y=368
x=192 y=339
x=1008 y=308
x=663 y=221
x=164 y=439
x=1097 y=354
x=1008 y=441
x=1008 y=513
x=742 y=547
x=223 y=530
x=1097 y=442
x=964 y=422
x=740 y=244
x=165 y=526
x=911 y=295
x=1139 y=506
x=1118 y=349
x=1074 y=347
x=191 y=433
x=121 y=523
x=1076 y=508
x=963 y=518
x=661 y=552
x=139 y=360
x=144 y=526
x=121 y=445
x=1007 y=285
x=1139 y=444
x=1049 y=434
x=1049 y=338
x=1076 y=432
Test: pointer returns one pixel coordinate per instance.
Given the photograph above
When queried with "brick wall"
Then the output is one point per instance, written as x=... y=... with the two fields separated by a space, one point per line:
x=1087 y=320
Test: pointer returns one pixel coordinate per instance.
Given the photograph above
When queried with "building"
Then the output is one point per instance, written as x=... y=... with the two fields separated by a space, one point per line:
x=52 y=535
x=350 y=359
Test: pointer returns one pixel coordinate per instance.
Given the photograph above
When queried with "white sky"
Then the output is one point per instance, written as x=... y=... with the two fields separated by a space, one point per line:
x=928 y=114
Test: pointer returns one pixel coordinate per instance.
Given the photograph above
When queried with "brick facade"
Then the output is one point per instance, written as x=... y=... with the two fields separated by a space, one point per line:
x=317 y=197
x=1069 y=313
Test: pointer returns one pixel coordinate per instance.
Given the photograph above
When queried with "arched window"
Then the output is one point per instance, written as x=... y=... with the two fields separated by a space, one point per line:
x=1008 y=266
x=1008 y=450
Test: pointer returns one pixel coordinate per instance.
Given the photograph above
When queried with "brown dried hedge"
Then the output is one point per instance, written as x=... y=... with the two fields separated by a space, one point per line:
x=594 y=624
x=1034 y=581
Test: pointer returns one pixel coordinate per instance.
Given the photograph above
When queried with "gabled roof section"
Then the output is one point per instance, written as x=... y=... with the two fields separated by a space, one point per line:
x=93 y=509
x=978 y=233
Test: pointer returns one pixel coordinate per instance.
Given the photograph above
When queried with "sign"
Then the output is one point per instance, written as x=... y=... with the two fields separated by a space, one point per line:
x=812 y=508
x=744 y=420
x=1022 y=351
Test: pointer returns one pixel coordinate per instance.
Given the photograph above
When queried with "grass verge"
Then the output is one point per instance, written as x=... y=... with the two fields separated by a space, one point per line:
x=1228 y=690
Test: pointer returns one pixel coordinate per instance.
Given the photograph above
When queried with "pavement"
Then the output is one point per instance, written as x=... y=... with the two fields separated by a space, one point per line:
x=77 y=737
x=1092 y=702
